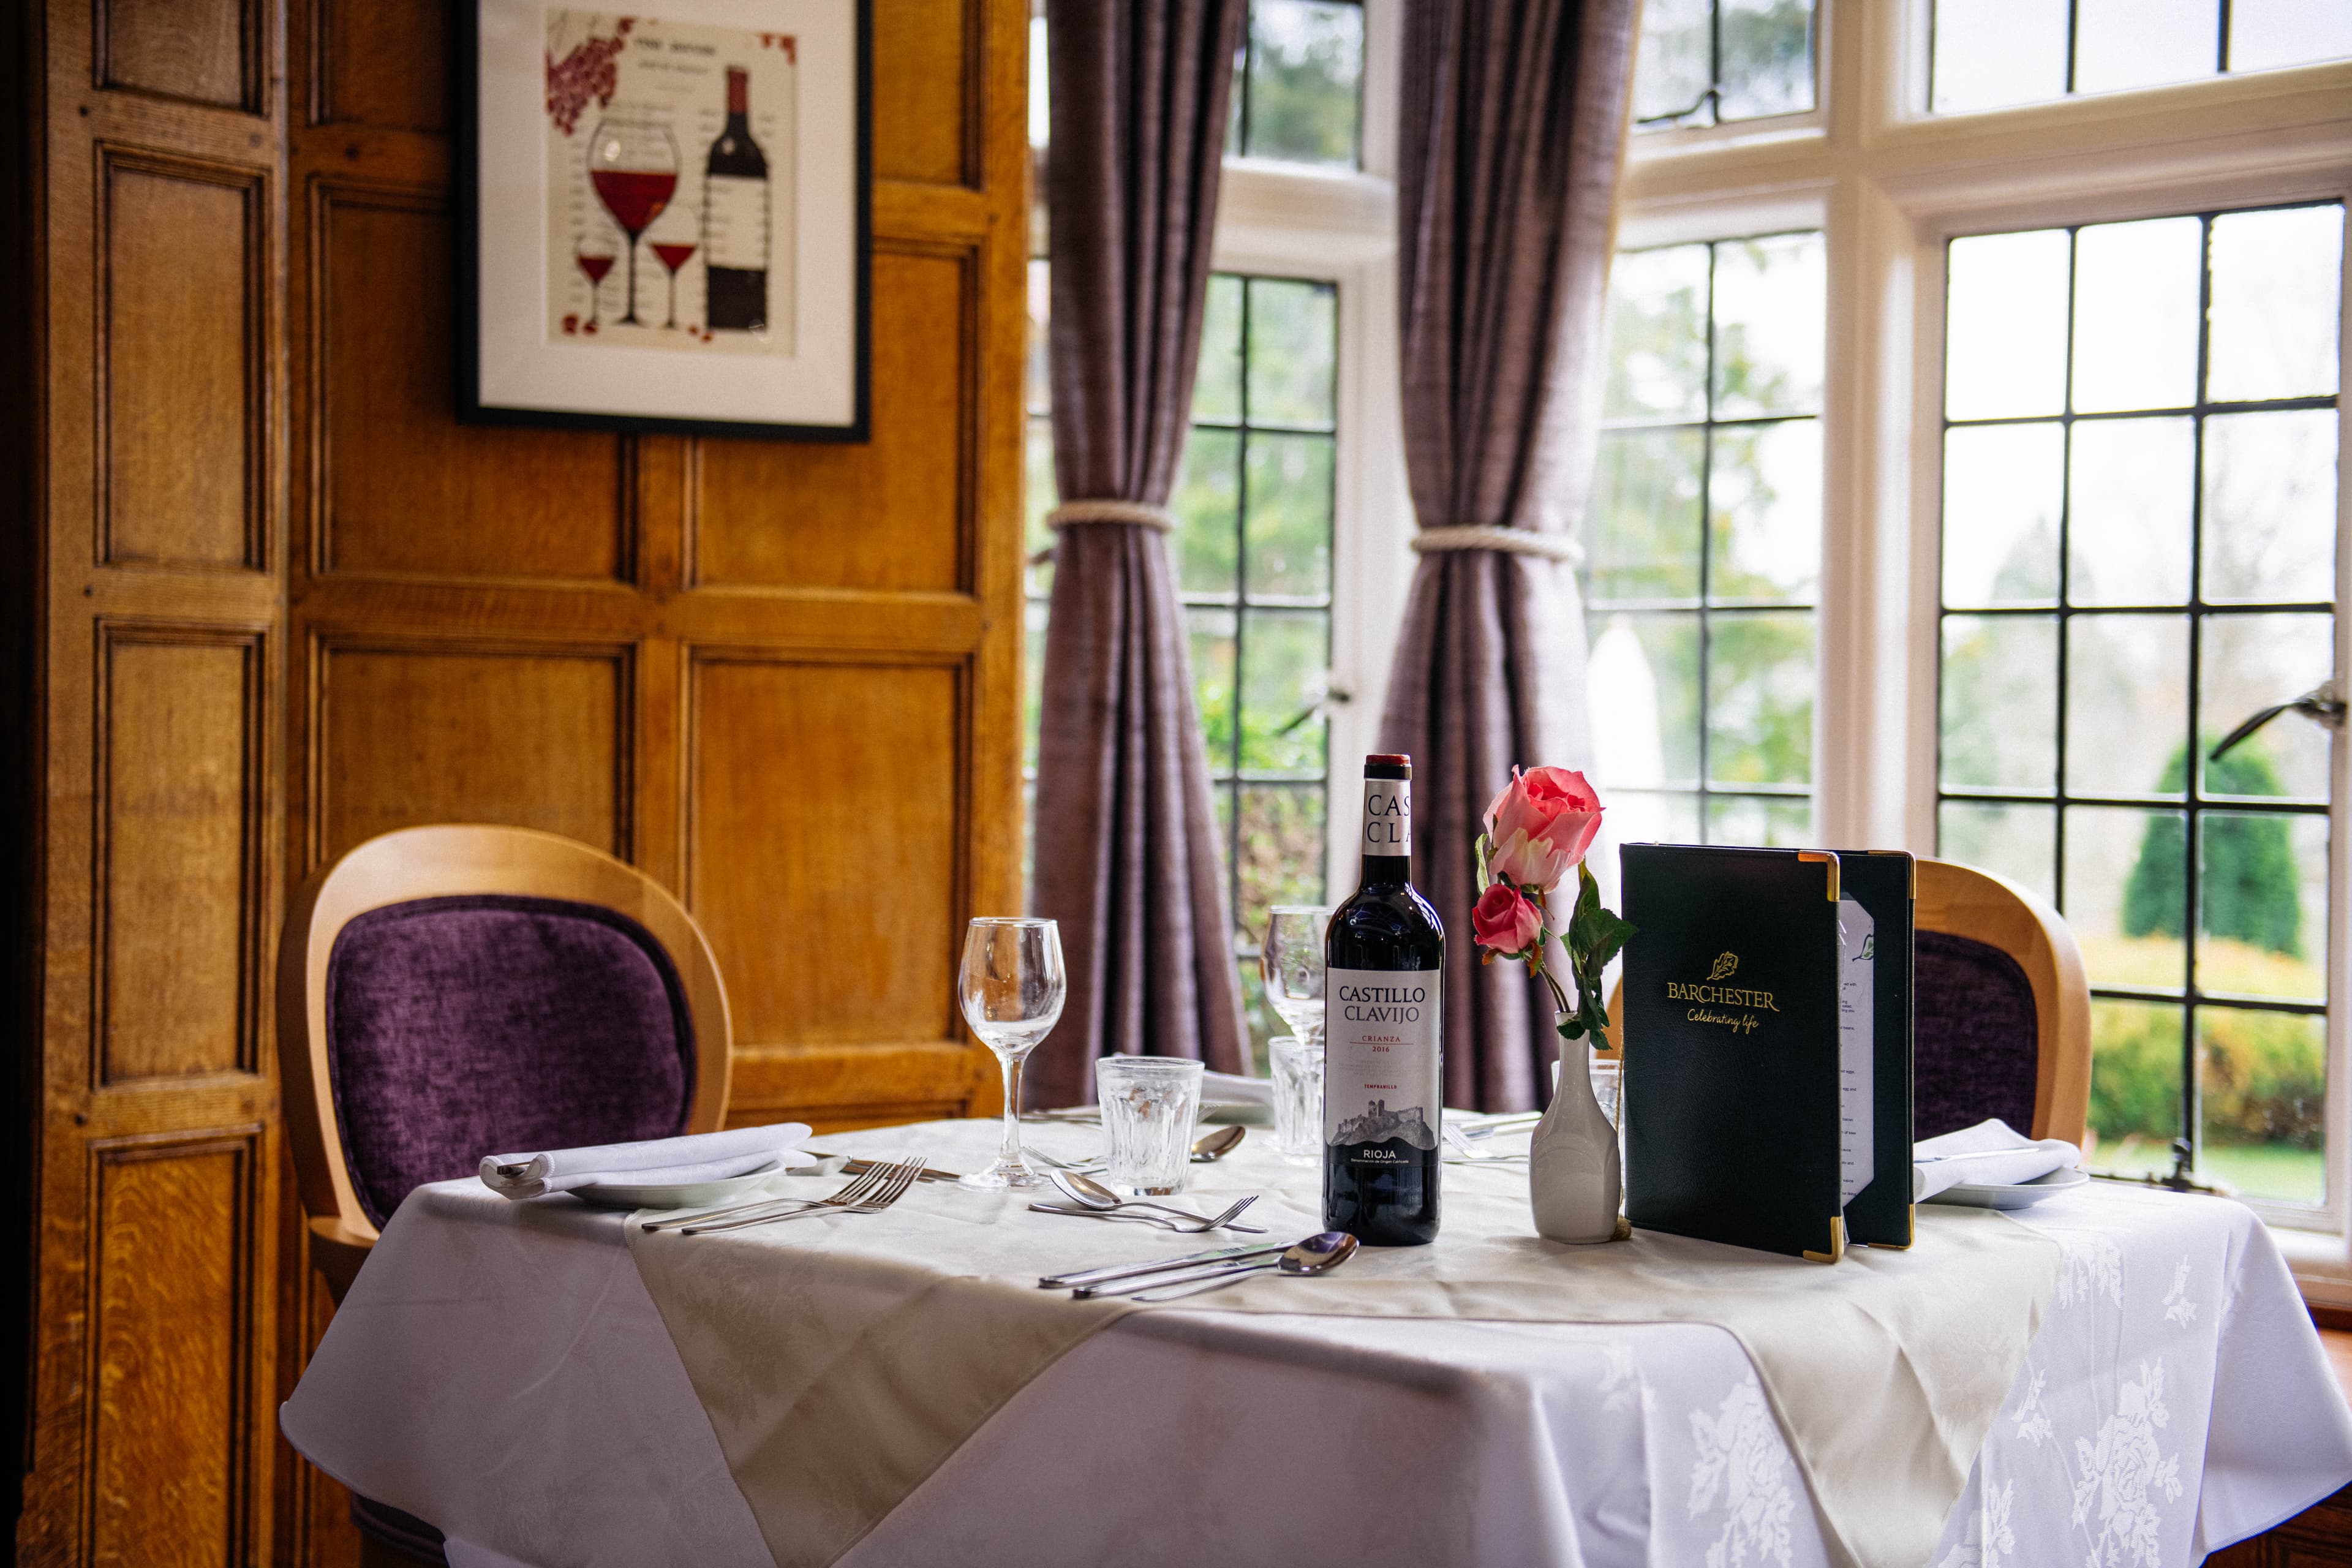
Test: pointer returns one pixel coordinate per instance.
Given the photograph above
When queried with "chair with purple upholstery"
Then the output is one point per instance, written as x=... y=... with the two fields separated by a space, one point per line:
x=449 y=992
x=2001 y=1011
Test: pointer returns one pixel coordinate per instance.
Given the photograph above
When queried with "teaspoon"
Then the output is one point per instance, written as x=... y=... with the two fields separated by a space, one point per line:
x=1088 y=1193
x=1319 y=1254
x=1216 y=1145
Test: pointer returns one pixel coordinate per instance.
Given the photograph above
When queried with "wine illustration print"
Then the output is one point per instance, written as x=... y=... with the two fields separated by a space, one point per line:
x=1539 y=829
x=670 y=217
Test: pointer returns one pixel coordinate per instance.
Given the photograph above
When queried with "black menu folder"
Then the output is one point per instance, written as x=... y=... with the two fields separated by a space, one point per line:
x=1767 y=1045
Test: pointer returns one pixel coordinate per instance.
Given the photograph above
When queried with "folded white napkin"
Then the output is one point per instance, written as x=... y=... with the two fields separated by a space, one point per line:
x=698 y=1157
x=1226 y=1088
x=1991 y=1152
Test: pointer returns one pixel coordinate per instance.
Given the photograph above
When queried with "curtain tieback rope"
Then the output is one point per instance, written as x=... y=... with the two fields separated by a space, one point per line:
x=1508 y=540
x=1157 y=517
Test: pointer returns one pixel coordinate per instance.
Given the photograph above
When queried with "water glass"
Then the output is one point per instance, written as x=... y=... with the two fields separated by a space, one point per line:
x=1148 y=1105
x=1291 y=962
x=1297 y=1099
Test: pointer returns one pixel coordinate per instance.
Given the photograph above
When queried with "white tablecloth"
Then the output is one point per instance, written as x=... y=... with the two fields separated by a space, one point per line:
x=499 y=1370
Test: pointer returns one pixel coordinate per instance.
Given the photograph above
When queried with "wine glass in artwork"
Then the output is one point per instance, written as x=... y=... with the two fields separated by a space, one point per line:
x=594 y=258
x=633 y=163
x=673 y=245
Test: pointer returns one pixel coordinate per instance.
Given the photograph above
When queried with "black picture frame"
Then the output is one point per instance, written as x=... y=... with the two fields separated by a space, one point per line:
x=474 y=408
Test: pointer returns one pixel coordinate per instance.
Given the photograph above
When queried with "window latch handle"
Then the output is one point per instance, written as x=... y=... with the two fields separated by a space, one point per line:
x=2322 y=705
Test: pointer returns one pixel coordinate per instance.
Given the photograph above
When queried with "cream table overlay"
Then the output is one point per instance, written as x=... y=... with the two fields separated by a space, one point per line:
x=910 y=1329
x=500 y=1370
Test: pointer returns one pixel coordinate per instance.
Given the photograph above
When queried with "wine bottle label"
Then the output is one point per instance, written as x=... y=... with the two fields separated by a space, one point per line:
x=735 y=222
x=1381 y=1061
x=1388 y=816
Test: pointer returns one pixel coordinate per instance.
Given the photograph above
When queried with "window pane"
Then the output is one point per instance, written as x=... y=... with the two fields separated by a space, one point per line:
x=2000 y=707
x=1643 y=678
x=1207 y=533
x=1304 y=81
x=1644 y=529
x=1213 y=682
x=2127 y=527
x=2127 y=890
x=2268 y=33
x=2005 y=326
x=2270 y=506
x=2134 y=1086
x=1286 y=656
x=1768 y=59
x=2144 y=43
x=2261 y=896
x=1280 y=858
x=1038 y=498
x=1769 y=297
x=2012 y=841
x=1032 y=679
x=1657 y=334
x=2277 y=278
x=1766 y=824
x=1293 y=333
x=1217 y=386
x=1992 y=53
x=1290 y=516
x=2127 y=704
x=2002 y=485
x=2249 y=662
x=2135 y=286
x=1037 y=386
x=1764 y=495
x=2262 y=1087
x=1760 y=697
x=1674 y=66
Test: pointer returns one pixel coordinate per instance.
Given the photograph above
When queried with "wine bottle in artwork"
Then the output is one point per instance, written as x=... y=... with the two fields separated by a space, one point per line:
x=735 y=219
x=1383 y=1061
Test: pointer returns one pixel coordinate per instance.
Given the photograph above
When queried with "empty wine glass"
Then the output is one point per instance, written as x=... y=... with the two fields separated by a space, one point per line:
x=1292 y=963
x=1012 y=986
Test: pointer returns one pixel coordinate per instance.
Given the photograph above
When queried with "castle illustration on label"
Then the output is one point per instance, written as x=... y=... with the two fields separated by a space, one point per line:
x=1380 y=1124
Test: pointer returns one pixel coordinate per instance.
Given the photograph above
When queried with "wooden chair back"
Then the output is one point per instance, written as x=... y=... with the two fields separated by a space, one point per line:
x=436 y=862
x=1963 y=902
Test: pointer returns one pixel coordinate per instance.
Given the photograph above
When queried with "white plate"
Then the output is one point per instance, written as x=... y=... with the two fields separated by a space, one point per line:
x=676 y=1195
x=2008 y=1195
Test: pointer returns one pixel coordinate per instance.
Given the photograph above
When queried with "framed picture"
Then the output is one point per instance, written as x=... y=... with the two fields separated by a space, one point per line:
x=665 y=218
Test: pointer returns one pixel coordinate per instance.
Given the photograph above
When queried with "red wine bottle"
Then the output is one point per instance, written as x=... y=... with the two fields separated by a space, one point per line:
x=735 y=220
x=1383 y=1061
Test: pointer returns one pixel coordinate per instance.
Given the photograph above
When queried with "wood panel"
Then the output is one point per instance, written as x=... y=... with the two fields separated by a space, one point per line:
x=178 y=846
x=199 y=51
x=182 y=345
x=415 y=734
x=383 y=63
x=925 y=89
x=826 y=854
x=172 y=1273
x=887 y=514
x=402 y=487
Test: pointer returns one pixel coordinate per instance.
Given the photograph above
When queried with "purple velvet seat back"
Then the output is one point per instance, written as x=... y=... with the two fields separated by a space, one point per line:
x=489 y=1024
x=1976 y=1049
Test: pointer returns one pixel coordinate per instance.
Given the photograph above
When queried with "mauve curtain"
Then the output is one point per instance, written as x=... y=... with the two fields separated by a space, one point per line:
x=1512 y=126
x=1126 y=842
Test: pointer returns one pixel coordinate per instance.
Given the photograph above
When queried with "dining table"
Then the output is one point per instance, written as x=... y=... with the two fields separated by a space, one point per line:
x=2129 y=1377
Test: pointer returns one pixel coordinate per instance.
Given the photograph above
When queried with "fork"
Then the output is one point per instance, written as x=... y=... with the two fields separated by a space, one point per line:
x=864 y=1183
x=896 y=1179
x=1179 y=1220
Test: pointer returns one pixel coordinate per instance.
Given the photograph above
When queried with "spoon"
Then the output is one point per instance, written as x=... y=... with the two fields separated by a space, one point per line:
x=1319 y=1254
x=1216 y=1145
x=1088 y=1193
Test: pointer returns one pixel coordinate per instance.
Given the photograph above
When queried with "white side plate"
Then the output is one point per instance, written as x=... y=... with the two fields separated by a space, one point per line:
x=2010 y=1195
x=676 y=1195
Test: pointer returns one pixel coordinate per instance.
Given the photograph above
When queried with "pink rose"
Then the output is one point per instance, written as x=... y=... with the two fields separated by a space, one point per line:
x=1542 y=823
x=1504 y=920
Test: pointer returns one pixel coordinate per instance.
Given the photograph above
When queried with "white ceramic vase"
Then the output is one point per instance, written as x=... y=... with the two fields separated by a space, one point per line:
x=1574 y=1177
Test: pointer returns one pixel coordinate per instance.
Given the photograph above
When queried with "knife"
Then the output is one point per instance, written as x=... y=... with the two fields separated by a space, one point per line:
x=858 y=1166
x=1157 y=1266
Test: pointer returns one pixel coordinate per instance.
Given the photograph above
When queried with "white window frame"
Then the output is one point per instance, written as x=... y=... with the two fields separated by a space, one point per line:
x=1338 y=226
x=1890 y=185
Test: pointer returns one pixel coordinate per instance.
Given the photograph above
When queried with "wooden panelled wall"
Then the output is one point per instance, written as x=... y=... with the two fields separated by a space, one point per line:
x=281 y=602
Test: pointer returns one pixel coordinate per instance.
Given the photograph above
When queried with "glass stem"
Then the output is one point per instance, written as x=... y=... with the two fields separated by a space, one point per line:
x=1010 y=1153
